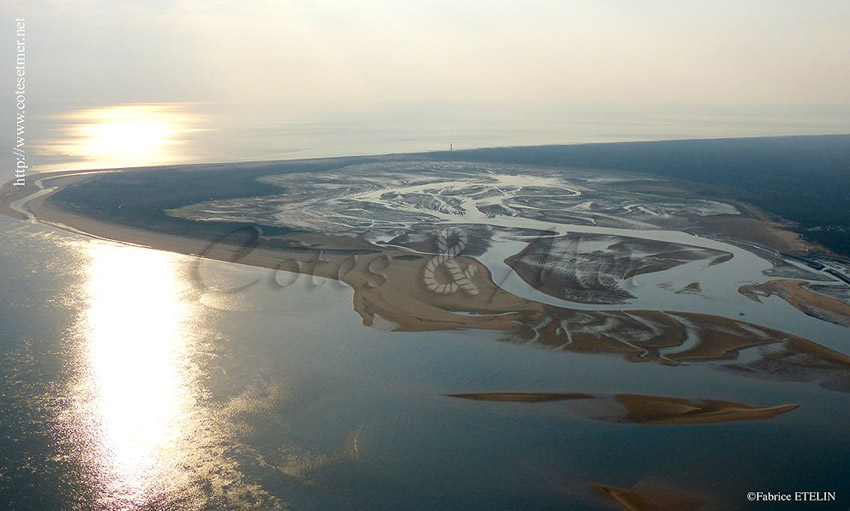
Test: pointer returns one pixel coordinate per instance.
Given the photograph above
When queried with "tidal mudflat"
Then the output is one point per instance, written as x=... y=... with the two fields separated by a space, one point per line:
x=470 y=322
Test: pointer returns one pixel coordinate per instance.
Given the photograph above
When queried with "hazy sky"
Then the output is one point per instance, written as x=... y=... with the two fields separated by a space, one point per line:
x=732 y=52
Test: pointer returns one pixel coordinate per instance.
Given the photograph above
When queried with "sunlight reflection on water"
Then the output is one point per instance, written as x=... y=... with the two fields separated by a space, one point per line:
x=140 y=419
x=121 y=136
x=139 y=388
x=128 y=135
x=136 y=401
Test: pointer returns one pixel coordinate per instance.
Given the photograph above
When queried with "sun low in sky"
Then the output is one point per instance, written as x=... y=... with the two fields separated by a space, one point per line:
x=156 y=81
x=121 y=135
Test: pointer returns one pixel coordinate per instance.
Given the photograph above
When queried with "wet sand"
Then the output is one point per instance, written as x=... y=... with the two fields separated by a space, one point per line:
x=389 y=291
x=9 y=193
x=794 y=292
x=564 y=268
x=643 y=409
x=651 y=495
x=756 y=226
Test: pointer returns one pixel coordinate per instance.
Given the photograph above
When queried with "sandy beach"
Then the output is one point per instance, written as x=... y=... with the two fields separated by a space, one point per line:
x=388 y=290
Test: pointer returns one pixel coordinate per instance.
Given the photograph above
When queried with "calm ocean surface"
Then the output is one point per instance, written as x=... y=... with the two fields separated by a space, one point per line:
x=125 y=386
x=122 y=386
x=65 y=136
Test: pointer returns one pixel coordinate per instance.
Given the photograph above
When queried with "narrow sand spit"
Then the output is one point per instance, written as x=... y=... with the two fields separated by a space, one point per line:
x=811 y=303
x=642 y=409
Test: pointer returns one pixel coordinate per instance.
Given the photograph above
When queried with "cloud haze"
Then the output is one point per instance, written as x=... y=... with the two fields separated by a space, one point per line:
x=760 y=52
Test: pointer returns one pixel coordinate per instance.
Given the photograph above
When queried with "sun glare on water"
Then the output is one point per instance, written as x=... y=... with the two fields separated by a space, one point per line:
x=138 y=390
x=121 y=136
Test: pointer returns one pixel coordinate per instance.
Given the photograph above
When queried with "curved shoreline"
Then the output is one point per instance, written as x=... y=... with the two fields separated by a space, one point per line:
x=395 y=293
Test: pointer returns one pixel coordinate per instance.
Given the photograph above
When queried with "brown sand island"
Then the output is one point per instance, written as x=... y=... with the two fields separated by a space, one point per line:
x=811 y=303
x=654 y=495
x=642 y=409
x=387 y=287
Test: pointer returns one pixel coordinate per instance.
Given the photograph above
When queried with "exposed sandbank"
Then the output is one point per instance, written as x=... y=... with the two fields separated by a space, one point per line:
x=643 y=409
x=388 y=286
x=650 y=495
x=811 y=303
x=756 y=226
